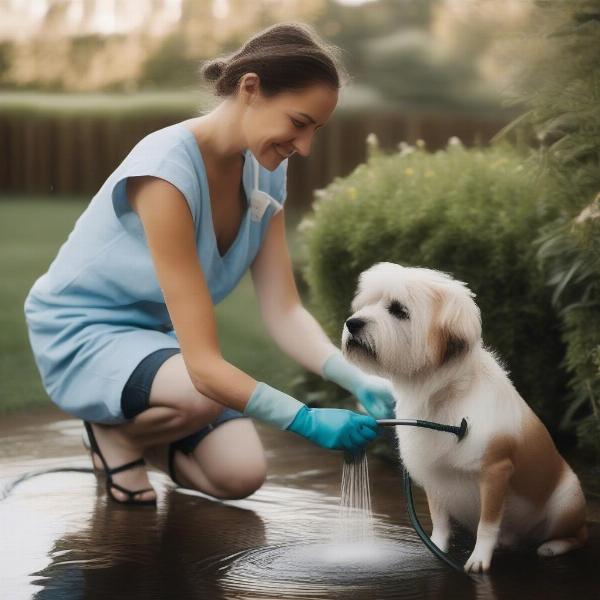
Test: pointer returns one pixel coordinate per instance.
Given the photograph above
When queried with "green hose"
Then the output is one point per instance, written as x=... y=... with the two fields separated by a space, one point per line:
x=412 y=514
x=460 y=433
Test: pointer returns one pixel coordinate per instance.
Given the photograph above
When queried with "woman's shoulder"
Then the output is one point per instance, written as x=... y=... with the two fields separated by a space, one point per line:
x=165 y=154
x=167 y=143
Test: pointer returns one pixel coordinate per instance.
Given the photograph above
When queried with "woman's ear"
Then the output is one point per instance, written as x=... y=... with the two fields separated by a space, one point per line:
x=249 y=87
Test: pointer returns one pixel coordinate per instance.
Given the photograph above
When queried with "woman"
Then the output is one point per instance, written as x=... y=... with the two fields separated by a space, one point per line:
x=122 y=325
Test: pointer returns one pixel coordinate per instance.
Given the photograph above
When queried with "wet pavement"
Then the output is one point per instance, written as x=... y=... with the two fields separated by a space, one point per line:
x=62 y=540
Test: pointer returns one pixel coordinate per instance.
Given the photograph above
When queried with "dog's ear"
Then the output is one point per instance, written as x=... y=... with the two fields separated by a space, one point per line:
x=455 y=324
x=450 y=346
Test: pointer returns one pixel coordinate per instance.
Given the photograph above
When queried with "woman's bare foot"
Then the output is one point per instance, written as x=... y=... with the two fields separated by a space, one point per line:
x=118 y=450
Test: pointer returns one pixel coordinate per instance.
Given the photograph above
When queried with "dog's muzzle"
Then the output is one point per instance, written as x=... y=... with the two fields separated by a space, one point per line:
x=356 y=343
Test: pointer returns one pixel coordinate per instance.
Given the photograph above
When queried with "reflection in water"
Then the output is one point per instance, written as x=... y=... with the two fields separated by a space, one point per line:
x=282 y=542
x=186 y=546
x=195 y=545
x=145 y=553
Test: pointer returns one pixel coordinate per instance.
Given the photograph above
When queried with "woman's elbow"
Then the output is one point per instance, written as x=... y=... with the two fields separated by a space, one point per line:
x=205 y=374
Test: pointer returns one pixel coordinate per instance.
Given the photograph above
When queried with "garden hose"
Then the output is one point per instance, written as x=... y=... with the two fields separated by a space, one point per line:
x=460 y=433
x=4 y=493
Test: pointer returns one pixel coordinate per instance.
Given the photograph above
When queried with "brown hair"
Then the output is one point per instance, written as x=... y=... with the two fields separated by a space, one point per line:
x=285 y=56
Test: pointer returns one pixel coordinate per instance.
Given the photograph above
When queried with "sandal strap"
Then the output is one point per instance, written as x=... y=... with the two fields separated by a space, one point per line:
x=130 y=493
x=130 y=465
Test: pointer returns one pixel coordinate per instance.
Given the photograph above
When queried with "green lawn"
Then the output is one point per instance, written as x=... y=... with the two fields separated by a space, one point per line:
x=31 y=232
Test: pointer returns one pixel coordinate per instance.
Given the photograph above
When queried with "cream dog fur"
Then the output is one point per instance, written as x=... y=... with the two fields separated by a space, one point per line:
x=505 y=481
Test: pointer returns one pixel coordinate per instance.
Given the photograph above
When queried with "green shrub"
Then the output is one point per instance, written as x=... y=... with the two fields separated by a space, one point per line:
x=472 y=213
x=570 y=255
x=557 y=81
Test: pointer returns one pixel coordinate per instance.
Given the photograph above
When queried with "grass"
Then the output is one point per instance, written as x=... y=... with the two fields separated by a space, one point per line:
x=116 y=104
x=31 y=232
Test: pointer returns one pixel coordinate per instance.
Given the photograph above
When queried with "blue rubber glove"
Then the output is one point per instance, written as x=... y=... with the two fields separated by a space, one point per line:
x=272 y=406
x=332 y=428
x=335 y=428
x=374 y=393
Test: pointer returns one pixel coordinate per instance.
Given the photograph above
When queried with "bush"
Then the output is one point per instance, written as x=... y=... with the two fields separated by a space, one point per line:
x=472 y=213
x=570 y=254
x=558 y=81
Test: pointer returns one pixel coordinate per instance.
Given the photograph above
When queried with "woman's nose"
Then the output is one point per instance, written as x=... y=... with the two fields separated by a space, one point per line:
x=303 y=144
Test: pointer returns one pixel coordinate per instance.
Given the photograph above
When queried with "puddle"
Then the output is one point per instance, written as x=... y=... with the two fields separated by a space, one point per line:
x=61 y=539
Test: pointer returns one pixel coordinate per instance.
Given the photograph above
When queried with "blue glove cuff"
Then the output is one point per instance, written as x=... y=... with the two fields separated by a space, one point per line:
x=300 y=423
x=272 y=406
x=337 y=369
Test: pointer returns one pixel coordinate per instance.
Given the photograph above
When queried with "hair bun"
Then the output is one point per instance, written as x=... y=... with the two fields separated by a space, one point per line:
x=214 y=69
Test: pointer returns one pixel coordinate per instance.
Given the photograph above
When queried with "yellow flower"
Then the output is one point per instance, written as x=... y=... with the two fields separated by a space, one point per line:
x=409 y=172
x=429 y=173
x=352 y=193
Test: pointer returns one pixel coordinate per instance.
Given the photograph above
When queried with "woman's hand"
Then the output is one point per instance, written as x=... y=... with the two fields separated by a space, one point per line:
x=375 y=394
x=335 y=428
x=332 y=428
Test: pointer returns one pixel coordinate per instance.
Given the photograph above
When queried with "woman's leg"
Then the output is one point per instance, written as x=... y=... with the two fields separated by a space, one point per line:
x=175 y=410
x=228 y=463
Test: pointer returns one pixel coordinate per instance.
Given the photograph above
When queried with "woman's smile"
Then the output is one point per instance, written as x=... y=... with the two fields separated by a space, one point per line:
x=280 y=152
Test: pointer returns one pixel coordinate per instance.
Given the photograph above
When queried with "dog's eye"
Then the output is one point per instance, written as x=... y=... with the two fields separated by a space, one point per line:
x=398 y=310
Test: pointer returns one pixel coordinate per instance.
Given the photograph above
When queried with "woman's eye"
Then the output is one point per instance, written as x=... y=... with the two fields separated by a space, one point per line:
x=298 y=123
x=398 y=310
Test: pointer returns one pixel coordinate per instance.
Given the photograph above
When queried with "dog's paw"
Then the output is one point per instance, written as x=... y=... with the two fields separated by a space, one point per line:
x=478 y=563
x=545 y=550
x=557 y=547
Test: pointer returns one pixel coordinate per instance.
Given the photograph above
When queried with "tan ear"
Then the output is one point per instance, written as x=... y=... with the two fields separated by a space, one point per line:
x=455 y=324
x=449 y=346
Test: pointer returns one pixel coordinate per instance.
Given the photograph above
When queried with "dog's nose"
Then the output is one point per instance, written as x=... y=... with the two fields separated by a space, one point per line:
x=354 y=325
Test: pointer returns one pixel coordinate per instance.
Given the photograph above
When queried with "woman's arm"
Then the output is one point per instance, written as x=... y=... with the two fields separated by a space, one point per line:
x=298 y=333
x=170 y=235
x=291 y=326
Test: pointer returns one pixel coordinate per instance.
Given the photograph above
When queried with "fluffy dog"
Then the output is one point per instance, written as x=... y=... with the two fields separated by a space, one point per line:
x=505 y=481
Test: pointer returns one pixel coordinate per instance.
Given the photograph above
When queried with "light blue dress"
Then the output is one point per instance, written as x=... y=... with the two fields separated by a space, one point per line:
x=99 y=310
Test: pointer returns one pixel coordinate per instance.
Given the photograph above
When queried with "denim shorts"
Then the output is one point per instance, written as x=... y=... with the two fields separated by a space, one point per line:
x=136 y=396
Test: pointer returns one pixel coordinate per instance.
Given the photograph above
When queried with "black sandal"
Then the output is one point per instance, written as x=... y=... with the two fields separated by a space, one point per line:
x=110 y=472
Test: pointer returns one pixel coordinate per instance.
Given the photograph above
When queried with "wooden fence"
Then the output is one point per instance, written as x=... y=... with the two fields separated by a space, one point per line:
x=73 y=156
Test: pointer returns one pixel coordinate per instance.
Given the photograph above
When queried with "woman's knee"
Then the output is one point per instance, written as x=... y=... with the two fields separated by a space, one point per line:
x=233 y=459
x=242 y=481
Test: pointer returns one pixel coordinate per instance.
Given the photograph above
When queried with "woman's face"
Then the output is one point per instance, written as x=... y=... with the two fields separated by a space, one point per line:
x=278 y=127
